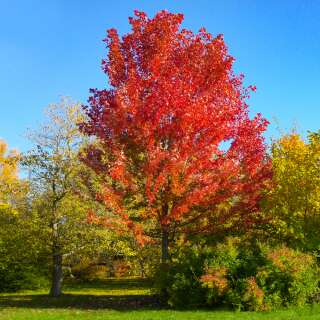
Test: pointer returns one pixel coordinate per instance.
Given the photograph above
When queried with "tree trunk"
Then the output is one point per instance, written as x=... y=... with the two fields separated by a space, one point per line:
x=110 y=264
x=56 y=281
x=164 y=296
x=164 y=255
x=142 y=271
x=164 y=246
x=165 y=237
x=56 y=284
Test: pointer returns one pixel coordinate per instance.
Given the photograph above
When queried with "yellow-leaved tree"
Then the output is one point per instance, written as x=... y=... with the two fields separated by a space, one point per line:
x=8 y=174
x=293 y=202
x=17 y=241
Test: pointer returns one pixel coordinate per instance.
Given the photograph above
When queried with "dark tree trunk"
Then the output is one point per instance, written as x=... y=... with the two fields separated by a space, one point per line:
x=164 y=296
x=56 y=281
x=142 y=271
x=110 y=264
x=164 y=246
x=164 y=255
x=165 y=237
x=56 y=284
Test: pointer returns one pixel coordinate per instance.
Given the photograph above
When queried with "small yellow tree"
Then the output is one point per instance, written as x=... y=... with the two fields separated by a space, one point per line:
x=9 y=180
x=294 y=199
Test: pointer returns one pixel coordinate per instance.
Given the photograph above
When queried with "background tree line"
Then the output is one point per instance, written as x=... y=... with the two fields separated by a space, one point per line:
x=45 y=228
x=53 y=225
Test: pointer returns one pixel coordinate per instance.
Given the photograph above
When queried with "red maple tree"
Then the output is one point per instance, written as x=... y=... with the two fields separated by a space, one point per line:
x=175 y=139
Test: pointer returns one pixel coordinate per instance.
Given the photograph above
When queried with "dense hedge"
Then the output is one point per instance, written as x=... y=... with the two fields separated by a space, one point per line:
x=241 y=274
x=14 y=277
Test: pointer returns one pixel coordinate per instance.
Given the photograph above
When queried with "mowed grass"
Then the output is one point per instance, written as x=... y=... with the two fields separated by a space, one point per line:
x=127 y=299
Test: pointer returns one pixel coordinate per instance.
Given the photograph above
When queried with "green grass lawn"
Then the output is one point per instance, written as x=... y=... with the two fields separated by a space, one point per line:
x=128 y=299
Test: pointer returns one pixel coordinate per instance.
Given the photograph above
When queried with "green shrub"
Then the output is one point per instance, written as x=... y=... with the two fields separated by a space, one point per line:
x=18 y=277
x=289 y=277
x=181 y=280
x=244 y=275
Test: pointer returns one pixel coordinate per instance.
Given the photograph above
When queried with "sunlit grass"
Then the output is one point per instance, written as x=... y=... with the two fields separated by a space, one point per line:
x=128 y=299
x=65 y=314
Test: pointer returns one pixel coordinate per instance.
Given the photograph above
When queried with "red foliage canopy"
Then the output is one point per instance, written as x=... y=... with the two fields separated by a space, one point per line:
x=173 y=106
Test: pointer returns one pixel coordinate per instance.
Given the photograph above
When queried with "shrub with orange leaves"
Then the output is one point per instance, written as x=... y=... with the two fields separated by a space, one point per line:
x=215 y=279
x=241 y=274
x=253 y=296
x=288 y=277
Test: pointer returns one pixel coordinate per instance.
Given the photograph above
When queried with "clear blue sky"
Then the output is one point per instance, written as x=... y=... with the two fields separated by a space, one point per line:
x=53 y=48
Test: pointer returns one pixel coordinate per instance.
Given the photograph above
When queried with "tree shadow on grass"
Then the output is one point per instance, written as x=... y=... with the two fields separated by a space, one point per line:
x=87 y=298
x=81 y=301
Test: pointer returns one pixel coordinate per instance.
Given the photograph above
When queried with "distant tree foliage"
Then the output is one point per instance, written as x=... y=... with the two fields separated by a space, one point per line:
x=293 y=202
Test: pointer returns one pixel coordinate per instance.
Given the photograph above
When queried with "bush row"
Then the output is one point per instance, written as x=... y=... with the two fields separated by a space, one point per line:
x=241 y=274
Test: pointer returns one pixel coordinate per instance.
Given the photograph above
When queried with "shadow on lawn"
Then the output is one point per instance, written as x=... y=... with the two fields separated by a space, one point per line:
x=81 y=301
x=89 y=300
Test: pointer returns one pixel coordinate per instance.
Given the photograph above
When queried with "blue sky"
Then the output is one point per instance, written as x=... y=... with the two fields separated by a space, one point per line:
x=53 y=48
